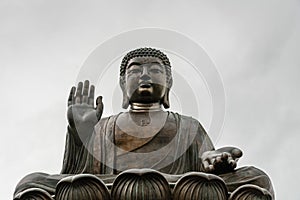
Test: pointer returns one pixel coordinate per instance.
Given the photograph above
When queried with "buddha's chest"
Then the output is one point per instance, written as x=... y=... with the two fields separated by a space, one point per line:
x=156 y=134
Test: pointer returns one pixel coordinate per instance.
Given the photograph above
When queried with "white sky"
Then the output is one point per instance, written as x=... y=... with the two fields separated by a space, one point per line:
x=254 y=44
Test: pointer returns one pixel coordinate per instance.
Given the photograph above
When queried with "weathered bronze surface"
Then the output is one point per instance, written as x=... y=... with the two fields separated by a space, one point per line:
x=144 y=153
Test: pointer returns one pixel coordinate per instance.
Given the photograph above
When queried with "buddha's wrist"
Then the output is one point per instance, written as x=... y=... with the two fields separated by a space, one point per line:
x=73 y=133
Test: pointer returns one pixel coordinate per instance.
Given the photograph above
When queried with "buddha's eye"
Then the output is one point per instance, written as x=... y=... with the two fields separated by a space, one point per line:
x=134 y=70
x=155 y=70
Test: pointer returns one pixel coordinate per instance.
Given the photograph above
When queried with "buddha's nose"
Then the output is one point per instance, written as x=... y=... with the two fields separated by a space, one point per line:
x=145 y=75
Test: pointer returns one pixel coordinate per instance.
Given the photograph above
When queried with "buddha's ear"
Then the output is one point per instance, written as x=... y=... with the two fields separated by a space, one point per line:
x=165 y=99
x=125 y=102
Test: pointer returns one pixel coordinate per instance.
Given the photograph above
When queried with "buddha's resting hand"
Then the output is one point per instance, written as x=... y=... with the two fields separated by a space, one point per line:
x=82 y=115
x=220 y=161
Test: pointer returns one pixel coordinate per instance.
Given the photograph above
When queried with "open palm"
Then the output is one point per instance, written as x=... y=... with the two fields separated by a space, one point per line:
x=82 y=115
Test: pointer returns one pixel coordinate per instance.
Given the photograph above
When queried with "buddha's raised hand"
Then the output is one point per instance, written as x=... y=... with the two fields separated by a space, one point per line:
x=82 y=115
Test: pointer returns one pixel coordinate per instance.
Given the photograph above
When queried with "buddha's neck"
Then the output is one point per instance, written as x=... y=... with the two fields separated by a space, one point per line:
x=145 y=107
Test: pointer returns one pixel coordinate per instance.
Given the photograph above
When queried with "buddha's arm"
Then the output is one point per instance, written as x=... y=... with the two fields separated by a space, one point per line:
x=82 y=117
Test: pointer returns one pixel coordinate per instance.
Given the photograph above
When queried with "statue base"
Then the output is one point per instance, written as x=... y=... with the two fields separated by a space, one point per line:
x=135 y=184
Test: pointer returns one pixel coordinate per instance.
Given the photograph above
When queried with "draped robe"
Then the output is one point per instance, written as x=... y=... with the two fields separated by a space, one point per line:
x=187 y=140
x=101 y=156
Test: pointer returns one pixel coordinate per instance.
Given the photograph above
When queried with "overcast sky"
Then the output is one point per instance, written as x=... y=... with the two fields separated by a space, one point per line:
x=254 y=44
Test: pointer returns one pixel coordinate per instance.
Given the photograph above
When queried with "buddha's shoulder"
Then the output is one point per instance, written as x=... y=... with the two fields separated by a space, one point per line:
x=107 y=120
x=185 y=118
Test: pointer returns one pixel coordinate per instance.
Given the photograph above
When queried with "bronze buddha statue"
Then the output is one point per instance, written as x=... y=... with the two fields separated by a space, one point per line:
x=144 y=140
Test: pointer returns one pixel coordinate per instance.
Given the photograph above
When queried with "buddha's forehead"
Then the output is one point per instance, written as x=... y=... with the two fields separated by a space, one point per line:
x=145 y=60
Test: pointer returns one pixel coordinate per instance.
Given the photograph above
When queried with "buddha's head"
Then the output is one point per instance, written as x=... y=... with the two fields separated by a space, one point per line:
x=145 y=77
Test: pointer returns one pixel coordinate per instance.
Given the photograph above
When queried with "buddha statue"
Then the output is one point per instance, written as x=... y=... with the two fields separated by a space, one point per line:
x=144 y=147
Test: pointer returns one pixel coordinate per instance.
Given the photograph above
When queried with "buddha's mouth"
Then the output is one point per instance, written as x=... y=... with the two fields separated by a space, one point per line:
x=145 y=85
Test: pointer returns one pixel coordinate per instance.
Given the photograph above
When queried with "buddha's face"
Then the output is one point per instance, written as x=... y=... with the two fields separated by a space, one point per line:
x=145 y=80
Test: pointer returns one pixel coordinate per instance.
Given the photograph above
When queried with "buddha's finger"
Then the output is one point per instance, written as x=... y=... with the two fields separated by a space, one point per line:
x=79 y=89
x=77 y=100
x=99 y=100
x=206 y=165
x=78 y=93
x=218 y=159
x=236 y=153
x=85 y=92
x=71 y=96
x=99 y=108
x=91 y=95
x=229 y=158
x=225 y=155
x=231 y=162
x=86 y=86
x=212 y=161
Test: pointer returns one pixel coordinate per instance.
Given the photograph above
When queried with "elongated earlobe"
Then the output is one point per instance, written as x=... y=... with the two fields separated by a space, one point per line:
x=125 y=102
x=165 y=99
